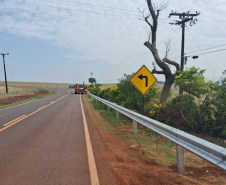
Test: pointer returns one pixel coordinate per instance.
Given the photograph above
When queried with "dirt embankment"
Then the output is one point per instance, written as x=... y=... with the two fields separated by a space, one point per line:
x=139 y=164
x=14 y=99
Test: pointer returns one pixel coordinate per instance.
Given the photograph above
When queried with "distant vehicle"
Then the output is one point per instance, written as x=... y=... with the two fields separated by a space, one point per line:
x=80 y=88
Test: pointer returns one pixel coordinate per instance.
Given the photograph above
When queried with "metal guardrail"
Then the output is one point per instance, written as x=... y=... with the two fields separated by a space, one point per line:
x=206 y=150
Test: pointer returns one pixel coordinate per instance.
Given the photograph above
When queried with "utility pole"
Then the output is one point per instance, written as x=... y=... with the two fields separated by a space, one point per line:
x=185 y=17
x=6 y=86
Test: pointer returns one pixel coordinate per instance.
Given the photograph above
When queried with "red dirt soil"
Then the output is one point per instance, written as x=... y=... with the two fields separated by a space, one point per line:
x=13 y=99
x=131 y=165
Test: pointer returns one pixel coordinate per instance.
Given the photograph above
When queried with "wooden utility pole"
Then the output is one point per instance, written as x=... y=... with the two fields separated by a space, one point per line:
x=6 y=86
x=185 y=17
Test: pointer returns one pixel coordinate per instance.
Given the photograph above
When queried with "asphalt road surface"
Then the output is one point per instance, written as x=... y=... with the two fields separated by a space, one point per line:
x=51 y=141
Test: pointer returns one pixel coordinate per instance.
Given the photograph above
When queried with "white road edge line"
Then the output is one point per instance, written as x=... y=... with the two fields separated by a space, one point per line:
x=92 y=164
x=29 y=102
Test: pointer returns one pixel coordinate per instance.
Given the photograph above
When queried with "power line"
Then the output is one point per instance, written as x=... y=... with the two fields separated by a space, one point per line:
x=202 y=53
x=213 y=7
x=129 y=56
x=202 y=5
x=130 y=64
x=31 y=4
x=88 y=6
x=206 y=49
x=134 y=60
x=209 y=8
x=201 y=50
x=143 y=54
x=99 y=6
x=188 y=5
x=211 y=51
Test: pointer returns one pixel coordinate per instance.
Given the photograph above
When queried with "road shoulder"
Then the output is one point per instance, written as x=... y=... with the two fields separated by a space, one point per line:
x=103 y=167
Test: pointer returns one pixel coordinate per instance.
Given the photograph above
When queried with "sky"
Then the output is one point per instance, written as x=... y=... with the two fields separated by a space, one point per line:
x=63 y=41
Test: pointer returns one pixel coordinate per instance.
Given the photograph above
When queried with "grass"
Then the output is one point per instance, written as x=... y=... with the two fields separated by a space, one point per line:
x=148 y=139
x=37 y=84
x=18 y=91
x=159 y=148
x=103 y=86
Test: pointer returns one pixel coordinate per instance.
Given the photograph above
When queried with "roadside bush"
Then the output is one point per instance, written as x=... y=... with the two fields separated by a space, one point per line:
x=201 y=108
x=131 y=98
x=184 y=109
x=113 y=94
x=104 y=93
x=95 y=90
x=155 y=110
x=71 y=86
x=126 y=95
x=218 y=109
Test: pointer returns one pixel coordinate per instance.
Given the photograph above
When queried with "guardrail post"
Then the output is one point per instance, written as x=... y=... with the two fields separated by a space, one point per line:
x=117 y=115
x=108 y=109
x=180 y=159
x=134 y=127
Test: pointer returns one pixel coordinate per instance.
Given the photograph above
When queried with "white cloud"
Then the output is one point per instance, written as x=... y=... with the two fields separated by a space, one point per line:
x=110 y=38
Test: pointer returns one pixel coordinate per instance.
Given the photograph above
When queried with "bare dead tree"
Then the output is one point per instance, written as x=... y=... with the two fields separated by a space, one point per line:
x=168 y=48
x=164 y=63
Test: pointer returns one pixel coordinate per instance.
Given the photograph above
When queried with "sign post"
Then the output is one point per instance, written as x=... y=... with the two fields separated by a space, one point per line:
x=142 y=106
x=142 y=80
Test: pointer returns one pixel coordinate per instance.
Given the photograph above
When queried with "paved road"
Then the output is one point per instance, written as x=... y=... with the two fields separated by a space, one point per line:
x=48 y=145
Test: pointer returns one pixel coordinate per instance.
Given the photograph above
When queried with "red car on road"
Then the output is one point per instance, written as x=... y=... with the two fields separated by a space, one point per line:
x=79 y=88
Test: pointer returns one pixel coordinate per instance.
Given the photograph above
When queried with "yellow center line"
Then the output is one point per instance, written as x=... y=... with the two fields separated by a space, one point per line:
x=15 y=121
x=42 y=107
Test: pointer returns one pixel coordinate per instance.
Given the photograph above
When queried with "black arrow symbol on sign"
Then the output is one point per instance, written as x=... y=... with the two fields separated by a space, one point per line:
x=141 y=77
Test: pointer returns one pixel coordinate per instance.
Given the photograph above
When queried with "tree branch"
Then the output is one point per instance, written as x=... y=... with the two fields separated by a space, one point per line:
x=187 y=120
x=154 y=71
x=158 y=60
x=146 y=20
x=184 y=117
x=189 y=91
x=160 y=6
x=168 y=47
x=172 y=63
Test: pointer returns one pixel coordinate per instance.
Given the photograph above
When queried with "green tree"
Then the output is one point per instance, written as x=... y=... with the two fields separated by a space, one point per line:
x=195 y=106
x=96 y=89
x=92 y=80
x=217 y=116
x=194 y=82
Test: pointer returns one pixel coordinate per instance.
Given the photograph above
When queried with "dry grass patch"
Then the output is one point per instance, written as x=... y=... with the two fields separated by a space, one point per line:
x=37 y=84
x=19 y=95
x=104 y=86
x=16 y=91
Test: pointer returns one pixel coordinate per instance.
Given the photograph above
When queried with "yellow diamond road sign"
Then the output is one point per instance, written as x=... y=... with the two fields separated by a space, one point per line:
x=143 y=79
